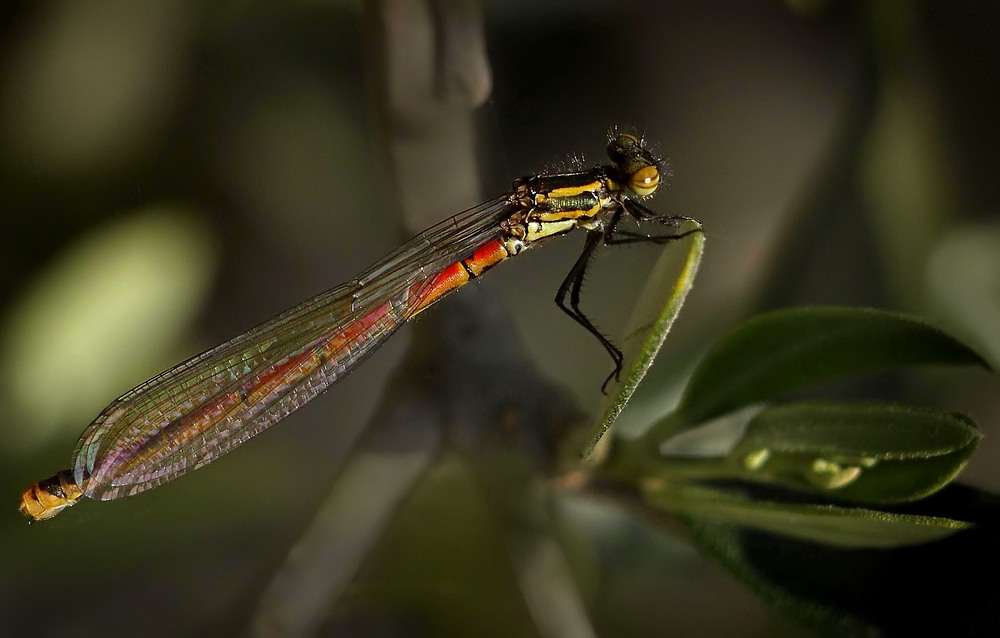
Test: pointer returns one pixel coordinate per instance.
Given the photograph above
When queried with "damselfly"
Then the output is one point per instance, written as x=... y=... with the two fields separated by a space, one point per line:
x=202 y=408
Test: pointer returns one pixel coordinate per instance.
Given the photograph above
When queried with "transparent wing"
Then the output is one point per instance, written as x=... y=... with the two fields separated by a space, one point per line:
x=200 y=409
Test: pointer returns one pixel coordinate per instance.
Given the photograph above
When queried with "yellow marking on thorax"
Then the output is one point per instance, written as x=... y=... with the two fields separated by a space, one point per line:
x=543 y=229
x=571 y=191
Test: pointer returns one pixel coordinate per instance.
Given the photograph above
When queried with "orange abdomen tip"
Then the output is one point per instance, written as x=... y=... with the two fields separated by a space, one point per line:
x=47 y=498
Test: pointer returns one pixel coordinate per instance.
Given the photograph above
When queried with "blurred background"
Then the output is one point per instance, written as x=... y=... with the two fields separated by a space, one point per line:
x=174 y=173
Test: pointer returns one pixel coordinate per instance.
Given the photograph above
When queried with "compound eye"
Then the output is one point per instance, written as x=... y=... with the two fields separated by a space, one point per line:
x=644 y=181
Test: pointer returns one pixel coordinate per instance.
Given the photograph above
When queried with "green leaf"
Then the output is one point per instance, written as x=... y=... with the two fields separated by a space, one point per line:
x=777 y=352
x=644 y=336
x=826 y=524
x=724 y=543
x=856 y=452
